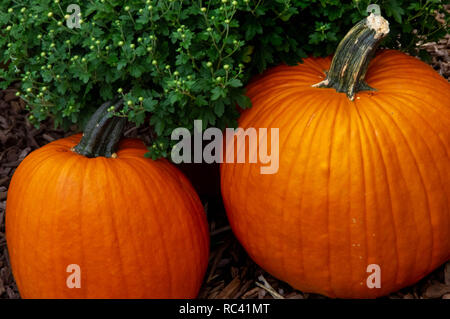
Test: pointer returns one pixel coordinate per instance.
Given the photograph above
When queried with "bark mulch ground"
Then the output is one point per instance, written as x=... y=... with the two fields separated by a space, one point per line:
x=231 y=273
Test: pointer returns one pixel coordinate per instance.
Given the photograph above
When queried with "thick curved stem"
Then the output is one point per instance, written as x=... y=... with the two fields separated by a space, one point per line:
x=353 y=55
x=103 y=132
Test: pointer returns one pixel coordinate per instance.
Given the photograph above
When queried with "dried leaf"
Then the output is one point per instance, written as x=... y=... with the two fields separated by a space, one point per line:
x=436 y=290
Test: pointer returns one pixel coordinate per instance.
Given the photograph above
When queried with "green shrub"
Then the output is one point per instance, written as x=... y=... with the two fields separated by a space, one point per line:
x=176 y=61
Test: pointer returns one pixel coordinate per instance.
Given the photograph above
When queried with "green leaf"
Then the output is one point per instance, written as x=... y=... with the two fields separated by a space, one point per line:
x=136 y=70
x=106 y=91
x=149 y=104
x=121 y=64
x=394 y=9
x=159 y=127
x=217 y=93
x=235 y=83
x=243 y=101
x=219 y=108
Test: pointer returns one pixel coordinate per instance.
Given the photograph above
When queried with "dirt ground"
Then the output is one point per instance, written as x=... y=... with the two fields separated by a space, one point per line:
x=231 y=273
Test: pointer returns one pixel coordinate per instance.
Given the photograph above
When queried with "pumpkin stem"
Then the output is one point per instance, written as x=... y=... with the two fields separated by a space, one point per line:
x=353 y=55
x=103 y=132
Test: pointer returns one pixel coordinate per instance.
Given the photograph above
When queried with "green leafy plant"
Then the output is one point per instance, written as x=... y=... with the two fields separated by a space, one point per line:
x=176 y=61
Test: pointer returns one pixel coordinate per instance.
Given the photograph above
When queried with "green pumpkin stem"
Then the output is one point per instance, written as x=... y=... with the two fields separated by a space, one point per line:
x=353 y=55
x=103 y=132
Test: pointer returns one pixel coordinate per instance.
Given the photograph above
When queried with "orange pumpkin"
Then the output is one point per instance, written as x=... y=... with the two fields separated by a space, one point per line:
x=363 y=178
x=134 y=226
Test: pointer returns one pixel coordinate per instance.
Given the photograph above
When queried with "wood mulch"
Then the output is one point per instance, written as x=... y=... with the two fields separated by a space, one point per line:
x=231 y=273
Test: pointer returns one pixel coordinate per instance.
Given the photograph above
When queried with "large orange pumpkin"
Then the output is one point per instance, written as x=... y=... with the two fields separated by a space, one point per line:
x=134 y=226
x=363 y=178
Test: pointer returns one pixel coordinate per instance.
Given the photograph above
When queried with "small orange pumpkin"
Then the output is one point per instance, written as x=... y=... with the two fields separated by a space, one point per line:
x=134 y=226
x=364 y=174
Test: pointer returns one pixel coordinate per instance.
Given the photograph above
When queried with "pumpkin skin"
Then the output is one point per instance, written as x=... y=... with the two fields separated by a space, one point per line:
x=359 y=182
x=135 y=226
